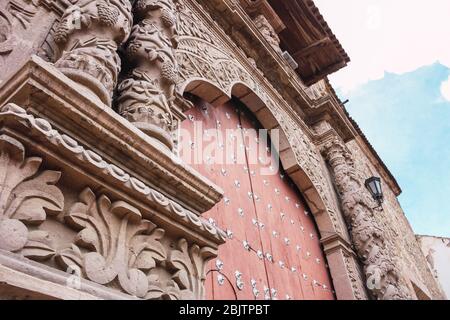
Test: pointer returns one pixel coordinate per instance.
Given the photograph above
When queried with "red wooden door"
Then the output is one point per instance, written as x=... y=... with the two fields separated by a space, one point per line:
x=274 y=250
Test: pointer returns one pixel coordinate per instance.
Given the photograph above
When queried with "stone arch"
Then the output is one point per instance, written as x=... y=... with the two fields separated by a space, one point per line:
x=212 y=67
x=211 y=93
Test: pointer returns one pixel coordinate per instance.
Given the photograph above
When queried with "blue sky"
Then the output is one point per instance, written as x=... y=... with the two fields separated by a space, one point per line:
x=398 y=84
x=407 y=120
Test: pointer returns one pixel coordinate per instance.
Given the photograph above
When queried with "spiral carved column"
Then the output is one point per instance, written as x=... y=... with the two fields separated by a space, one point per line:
x=88 y=37
x=147 y=95
x=380 y=268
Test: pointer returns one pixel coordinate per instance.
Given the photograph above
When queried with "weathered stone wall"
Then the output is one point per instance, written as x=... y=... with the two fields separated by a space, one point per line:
x=398 y=230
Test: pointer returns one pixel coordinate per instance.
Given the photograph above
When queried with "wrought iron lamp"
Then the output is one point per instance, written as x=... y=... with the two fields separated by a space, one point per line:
x=373 y=184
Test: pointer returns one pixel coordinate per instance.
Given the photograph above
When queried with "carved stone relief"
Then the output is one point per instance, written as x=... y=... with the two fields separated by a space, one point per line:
x=393 y=221
x=17 y=40
x=202 y=56
x=268 y=32
x=104 y=241
x=147 y=95
x=189 y=264
x=27 y=195
x=119 y=244
x=88 y=36
x=381 y=268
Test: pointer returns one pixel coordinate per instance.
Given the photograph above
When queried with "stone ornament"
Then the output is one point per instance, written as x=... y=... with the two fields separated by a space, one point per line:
x=189 y=266
x=113 y=245
x=114 y=242
x=7 y=37
x=268 y=32
x=42 y=128
x=383 y=277
x=27 y=195
x=147 y=95
x=88 y=36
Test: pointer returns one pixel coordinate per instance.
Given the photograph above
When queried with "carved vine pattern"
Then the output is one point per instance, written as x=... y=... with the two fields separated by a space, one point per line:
x=393 y=221
x=147 y=94
x=88 y=36
x=381 y=269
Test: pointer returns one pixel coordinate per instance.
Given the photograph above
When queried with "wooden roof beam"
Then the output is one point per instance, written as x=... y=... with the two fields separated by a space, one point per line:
x=311 y=49
x=325 y=72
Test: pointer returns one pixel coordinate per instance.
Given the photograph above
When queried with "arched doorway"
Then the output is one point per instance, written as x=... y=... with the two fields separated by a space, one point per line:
x=274 y=249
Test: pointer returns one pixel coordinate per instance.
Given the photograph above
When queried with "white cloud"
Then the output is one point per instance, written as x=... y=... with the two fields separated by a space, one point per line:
x=387 y=36
x=445 y=89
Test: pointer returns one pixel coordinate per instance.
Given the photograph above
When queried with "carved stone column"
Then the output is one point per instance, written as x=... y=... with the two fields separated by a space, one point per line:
x=380 y=268
x=88 y=37
x=147 y=95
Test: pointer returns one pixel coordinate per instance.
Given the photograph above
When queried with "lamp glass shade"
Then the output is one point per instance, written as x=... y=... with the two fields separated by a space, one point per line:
x=374 y=186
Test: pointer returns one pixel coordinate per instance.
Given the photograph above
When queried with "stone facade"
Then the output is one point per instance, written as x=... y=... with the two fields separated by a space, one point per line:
x=96 y=204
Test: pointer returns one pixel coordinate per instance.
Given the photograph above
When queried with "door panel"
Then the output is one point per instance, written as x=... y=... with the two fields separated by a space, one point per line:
x=265 y=212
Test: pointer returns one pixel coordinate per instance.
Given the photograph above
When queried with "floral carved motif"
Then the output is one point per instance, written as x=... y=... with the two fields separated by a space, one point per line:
x=189 y=264
x=88 y=36
x=381 y=269
x=113 y=242
x=147 y=95
x=43 y=129
x=27 y=195
x=268 y=32
x=202 y=56
x=7 y=37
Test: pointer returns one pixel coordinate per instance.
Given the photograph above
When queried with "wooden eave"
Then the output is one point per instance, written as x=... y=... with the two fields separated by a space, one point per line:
x=309 y=40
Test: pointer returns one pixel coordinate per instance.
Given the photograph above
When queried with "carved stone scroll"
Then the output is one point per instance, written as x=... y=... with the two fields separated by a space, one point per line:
x=381 y=270
x=189 y=264
x=88 y=37
x=27 y=195
x=114 y=242
x=147 y=95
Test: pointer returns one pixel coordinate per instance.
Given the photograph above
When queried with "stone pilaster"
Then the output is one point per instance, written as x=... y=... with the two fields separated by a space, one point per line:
x=147 y=95
x=88 y=36
x=383 y=278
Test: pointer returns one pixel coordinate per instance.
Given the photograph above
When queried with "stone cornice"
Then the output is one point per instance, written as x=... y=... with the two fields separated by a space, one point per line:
x=239 y=26
x=152 y=162
x=17 y=122
x=335 y=242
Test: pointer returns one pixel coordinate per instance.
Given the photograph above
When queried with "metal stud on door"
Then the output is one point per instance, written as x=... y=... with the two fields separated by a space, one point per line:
x=273 y=249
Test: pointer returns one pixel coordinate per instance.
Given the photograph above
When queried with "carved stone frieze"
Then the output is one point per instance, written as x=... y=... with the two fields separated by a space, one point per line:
x=88 y=36
x=104 y=241
x=114 y=243
x=64 y=143
x=147 y=95
x=384 y=278
x=24 y=24
x=202 y=56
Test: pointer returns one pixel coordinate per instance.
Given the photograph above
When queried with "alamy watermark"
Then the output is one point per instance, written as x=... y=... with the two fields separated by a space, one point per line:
x=257 y=148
